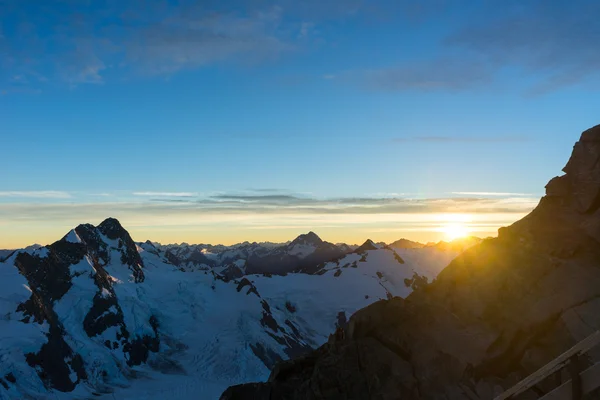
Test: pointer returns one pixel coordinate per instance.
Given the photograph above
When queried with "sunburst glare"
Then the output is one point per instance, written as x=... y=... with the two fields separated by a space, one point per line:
x=455 y=231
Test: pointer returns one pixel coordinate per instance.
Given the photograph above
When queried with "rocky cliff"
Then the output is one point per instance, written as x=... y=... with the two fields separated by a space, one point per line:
x=497 y=313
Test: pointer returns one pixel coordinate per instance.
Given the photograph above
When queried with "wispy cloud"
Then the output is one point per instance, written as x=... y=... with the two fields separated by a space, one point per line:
x=165 y=194
x=193 y=38
x=438 y=74
x=228 y=217
x=104 y=194
x=499 y=194
x=190 y=204
x=86 y=42
x=173 y=213
x=463 y=139
x=551 y=44
x=258 y=198
x=556 y=41
x=267 y=190
x=45 y=194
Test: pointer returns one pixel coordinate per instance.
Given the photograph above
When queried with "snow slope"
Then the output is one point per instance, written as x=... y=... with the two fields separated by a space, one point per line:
x=5 y=253
x=121 y=320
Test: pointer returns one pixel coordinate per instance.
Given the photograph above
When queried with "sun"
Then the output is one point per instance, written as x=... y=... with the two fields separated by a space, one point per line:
x=455 y=231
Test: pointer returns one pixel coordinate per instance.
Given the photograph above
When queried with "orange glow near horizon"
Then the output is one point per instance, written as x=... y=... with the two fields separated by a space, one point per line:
x=456 y=226
x=222 y=228
x=455 y=231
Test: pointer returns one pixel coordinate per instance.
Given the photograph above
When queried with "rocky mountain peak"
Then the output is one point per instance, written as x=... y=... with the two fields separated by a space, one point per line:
x=572 y=201
x=367 y=245
x=112 y=228
x=406 y=244
x=308 y=238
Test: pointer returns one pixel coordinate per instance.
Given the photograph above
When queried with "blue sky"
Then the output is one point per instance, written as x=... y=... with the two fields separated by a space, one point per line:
x=257 y=120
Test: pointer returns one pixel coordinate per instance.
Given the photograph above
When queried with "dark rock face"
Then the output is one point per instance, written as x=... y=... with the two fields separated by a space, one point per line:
x=285 y=259
x=304 y=254
x=129 y=254
x=497 y=313
x=367 y=369
x=172 y=258
x=342 y=320
x=54 y=359
x=583 y=172
x=232 y=272
x=416 y=282
x=308 y=238
x=140 y=348
x=50 y=278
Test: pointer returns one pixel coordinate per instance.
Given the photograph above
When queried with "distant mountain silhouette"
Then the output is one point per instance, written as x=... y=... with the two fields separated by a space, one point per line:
x=406 y=244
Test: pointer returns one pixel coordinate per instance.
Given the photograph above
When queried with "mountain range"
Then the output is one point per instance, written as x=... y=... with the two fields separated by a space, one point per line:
x=97 y=314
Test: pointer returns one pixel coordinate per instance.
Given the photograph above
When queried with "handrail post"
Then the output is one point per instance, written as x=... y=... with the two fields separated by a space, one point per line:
x=558 y=378
x=574 y=370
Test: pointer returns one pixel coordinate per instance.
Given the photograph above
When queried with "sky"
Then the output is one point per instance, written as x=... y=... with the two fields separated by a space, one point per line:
x=220 y=122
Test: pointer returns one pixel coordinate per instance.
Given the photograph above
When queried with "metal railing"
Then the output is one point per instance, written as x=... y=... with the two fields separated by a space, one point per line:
x=581 y=382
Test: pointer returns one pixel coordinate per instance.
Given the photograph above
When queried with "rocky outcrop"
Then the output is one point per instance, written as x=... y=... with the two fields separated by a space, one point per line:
x=497 y=313
x=232 y=272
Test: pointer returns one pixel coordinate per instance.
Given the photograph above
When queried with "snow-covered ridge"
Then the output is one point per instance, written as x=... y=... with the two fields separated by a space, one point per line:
x=86 y=315
x=272 y=258
x=4 y=254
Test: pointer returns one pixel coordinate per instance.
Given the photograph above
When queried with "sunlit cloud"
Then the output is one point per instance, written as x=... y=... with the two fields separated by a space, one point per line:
x=502 y=194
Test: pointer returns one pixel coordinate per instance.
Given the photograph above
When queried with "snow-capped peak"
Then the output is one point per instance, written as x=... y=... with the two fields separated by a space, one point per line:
x=304 y=245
